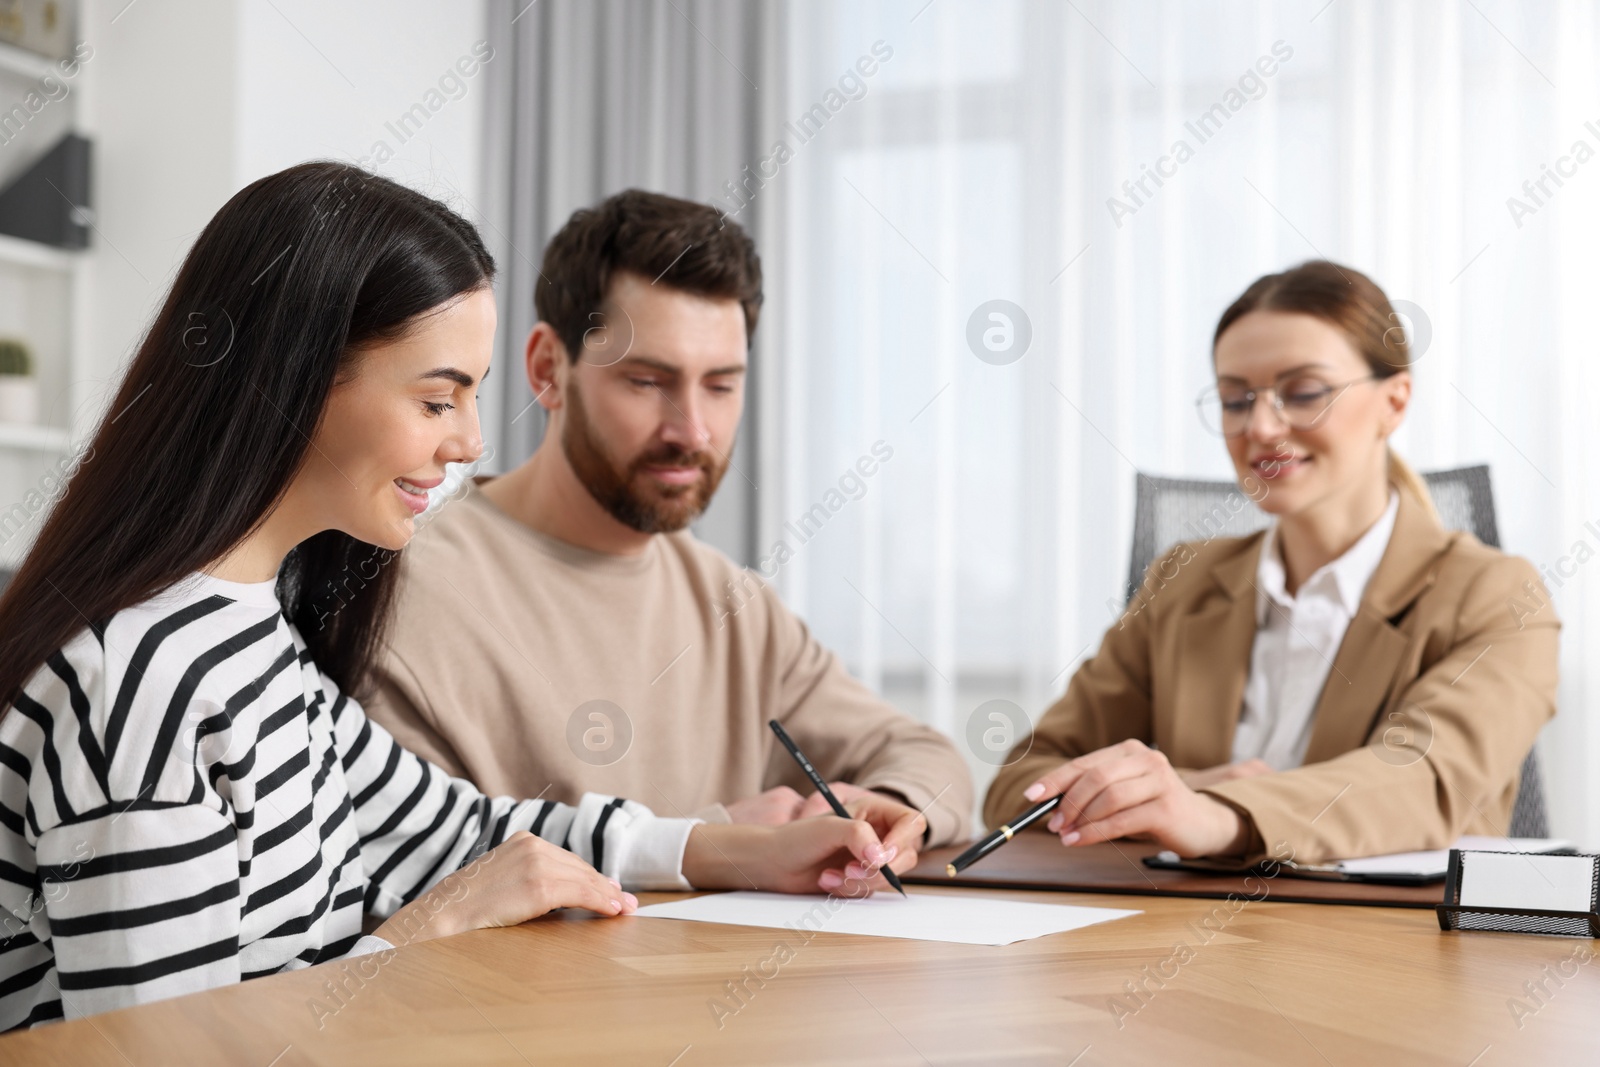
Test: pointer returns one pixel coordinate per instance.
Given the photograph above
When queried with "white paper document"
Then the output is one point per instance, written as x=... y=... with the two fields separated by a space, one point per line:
x=960 y=918
x=1437 y=861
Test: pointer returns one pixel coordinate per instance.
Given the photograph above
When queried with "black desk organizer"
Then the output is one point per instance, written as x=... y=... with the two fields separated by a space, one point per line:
x=1452 y=916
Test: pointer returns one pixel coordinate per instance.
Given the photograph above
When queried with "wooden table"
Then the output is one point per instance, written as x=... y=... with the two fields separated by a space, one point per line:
x=1272 y=983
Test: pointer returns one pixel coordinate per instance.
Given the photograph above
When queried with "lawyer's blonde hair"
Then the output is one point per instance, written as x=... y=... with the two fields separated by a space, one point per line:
x=1345 y=298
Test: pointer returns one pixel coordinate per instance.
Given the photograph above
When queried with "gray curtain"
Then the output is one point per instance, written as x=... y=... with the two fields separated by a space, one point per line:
x=591 y=98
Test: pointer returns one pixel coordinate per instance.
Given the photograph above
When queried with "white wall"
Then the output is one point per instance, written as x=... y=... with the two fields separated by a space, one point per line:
x=159 y=105
x=190 y=100
x=333 y=80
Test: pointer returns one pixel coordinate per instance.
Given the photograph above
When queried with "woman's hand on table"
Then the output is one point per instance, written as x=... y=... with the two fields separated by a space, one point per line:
x=824 y=852
x=1130 y=790
x=526 y=876
x=521 y=879
x=781 y=804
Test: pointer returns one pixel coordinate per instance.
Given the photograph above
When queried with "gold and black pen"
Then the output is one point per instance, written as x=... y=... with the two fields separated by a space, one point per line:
x=1002 y=835
x=827 y=794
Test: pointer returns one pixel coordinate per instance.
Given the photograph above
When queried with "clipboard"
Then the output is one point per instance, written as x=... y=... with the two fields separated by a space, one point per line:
x=1170 y=861
x=1429 y=867
x=1037 y=861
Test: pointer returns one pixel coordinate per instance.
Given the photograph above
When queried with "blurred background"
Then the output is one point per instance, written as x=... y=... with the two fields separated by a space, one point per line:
x=1103 y=177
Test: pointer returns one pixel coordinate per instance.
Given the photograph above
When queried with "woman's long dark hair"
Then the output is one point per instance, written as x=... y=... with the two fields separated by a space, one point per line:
x=284 y=288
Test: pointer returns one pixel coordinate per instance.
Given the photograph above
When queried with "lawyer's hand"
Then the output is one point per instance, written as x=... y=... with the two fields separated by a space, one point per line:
x=1130 y=790
x=1224 y=772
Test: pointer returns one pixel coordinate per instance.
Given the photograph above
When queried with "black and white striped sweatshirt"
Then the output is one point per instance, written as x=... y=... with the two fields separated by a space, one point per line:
x=187 y=801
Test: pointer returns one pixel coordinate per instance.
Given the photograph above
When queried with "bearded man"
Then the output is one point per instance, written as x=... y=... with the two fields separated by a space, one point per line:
x=560 y=631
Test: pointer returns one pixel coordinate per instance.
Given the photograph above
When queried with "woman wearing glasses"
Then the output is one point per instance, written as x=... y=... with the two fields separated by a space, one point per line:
x=1352 y=681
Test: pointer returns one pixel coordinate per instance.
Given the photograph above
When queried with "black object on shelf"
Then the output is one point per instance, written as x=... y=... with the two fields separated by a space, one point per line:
x=49 y=201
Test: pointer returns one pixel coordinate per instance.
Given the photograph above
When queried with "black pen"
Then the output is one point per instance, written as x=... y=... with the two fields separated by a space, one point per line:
x=827 y=794
x=1002 y=835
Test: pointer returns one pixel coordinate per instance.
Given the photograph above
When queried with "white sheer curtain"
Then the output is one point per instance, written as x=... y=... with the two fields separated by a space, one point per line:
x=591 y=97
x=979 y=160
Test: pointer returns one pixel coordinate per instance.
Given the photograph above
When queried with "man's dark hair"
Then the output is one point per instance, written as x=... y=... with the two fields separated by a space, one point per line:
x=686 y=246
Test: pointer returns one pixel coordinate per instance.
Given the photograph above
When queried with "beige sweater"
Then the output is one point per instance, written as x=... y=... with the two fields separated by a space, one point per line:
x=537 y=668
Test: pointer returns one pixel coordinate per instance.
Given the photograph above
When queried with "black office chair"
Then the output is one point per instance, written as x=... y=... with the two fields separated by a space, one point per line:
x=1169 y=510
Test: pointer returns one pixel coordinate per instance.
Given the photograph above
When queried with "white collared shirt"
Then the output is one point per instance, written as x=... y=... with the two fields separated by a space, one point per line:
x=1296 y=640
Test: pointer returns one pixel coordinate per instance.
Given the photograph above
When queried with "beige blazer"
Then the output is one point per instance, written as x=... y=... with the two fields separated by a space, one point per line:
x=1444 y=678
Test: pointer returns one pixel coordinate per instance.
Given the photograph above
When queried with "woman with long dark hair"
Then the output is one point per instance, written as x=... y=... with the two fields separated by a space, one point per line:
x=190 y=793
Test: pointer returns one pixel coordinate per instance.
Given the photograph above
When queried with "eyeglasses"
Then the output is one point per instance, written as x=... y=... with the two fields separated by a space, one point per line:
x=1298 y=399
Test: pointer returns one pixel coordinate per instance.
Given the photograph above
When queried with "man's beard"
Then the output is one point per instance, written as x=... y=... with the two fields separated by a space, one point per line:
x=633 y=496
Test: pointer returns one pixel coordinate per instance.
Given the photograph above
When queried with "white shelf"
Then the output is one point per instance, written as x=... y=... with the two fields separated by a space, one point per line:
x=16 y=251
x=34 y=438
x=44 y=297
x=23 y=63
